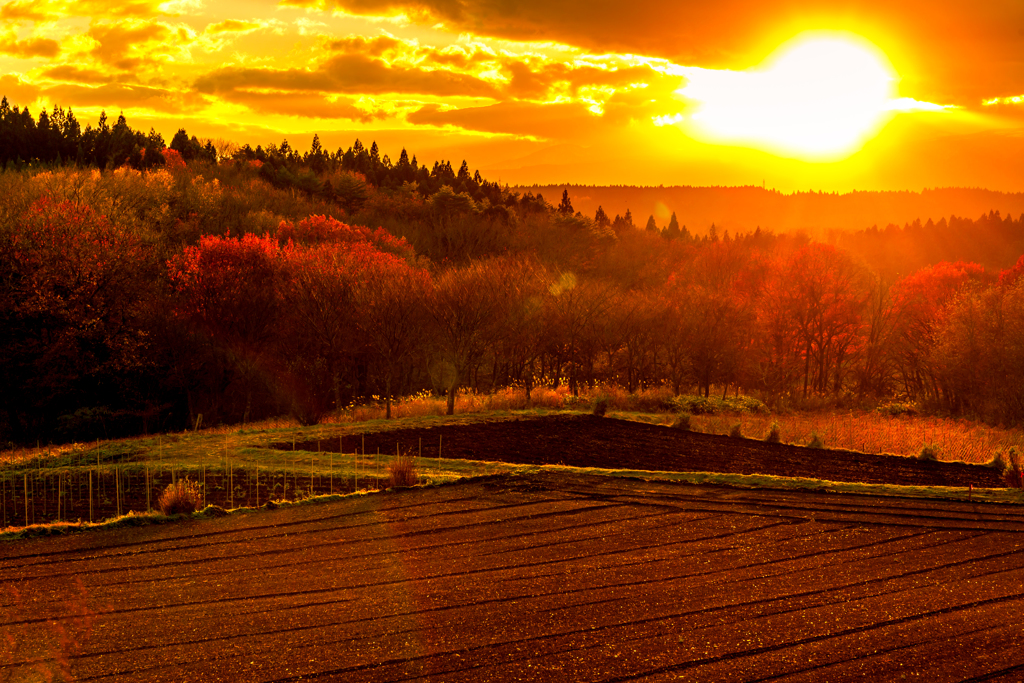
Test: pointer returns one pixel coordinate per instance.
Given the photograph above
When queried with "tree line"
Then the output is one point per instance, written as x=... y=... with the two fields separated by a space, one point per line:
x=138 y=299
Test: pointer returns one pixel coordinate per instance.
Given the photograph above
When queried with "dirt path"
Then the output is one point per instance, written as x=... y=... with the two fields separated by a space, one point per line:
x=547 y=577
x=587 y=441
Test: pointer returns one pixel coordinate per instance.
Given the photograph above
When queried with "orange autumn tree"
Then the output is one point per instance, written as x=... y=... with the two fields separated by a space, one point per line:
x=919 y=302
x=391 y=298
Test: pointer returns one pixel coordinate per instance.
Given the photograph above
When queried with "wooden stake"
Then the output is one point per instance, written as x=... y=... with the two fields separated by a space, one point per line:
x=332 y=473
x=149 y=507
x=439 y=437
x=90 y=495
x=257 y=483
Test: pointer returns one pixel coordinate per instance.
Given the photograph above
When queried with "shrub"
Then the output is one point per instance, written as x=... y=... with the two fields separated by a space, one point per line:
x=815 y=441
x=600 y=406
x=737 y=431
x=998 y=462
x=181 y=497
x=774 y=434
x=682 y=422
x=699 y=405
x=402 y=472
x=898 y=408
x=929 y=451
x=1012 y=470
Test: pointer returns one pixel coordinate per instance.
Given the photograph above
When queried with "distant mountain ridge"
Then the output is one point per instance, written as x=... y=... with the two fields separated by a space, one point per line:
x=745 y=208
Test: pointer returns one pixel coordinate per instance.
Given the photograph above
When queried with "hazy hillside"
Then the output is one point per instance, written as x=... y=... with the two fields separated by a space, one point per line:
x=746 y=208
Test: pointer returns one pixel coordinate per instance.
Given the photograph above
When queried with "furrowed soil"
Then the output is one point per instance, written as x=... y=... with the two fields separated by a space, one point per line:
x=545 y=576
x=588 y=441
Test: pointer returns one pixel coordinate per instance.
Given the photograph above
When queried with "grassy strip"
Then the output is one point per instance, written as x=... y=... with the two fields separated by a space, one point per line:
x=768 y=481
x=464 y=470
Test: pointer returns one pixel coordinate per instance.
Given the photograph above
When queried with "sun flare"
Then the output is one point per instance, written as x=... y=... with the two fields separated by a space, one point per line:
x=820 y=97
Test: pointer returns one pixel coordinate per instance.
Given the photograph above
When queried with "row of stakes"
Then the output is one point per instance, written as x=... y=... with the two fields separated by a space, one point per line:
x=64 y=483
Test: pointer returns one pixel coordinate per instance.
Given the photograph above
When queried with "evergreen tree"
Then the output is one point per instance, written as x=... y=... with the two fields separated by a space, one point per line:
x=601 y=218
x=672 y=231
x=565 y=206
x=316 y=158
x=651 y=225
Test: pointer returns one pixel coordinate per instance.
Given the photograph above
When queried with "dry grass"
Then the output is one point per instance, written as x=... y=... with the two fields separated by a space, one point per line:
x=402 y=472
x=866 y=431
x=870 y=432
x=182 y=497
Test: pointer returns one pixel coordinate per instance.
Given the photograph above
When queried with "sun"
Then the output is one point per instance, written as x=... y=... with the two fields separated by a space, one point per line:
x=818 y=97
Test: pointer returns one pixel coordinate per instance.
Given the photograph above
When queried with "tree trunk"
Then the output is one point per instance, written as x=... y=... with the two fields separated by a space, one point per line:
x=451 y=399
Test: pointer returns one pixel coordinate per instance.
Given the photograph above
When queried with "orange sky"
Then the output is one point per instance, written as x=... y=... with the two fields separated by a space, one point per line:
x=547 y=92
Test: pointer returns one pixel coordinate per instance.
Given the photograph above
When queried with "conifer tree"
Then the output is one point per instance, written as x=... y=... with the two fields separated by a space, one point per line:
x=565 y=207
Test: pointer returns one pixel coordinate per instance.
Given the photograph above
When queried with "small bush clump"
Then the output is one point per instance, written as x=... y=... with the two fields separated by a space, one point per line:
x=402 y=472
x=998 y=462
x=600 y=406
x=682 y=422
x=182 y=497
x=929 y=451
x=898 y=408
x=737 y=431
x=774 y=434
x=712 y=405
x=1012 y=476
x=815 y=441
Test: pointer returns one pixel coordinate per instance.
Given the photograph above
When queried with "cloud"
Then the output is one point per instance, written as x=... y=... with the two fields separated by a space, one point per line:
x=233 y=26
x=348 y=74
x=121 y=45
x=947 y=50
x=30 y=47
x=459 y=57
x=375 y=47
x=555 y=121
x=305 y=105
x=69 y=72
x=17 y=91
x=127 y=97
x=25 y=10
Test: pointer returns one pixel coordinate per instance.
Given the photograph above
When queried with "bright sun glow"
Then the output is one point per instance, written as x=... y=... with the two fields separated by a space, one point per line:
x=820 y=97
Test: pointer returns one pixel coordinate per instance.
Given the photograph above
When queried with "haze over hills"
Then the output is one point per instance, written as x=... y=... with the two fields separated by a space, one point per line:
x=744 y=209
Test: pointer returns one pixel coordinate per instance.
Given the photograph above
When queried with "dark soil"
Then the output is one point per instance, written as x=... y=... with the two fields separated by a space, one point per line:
x=553 y=576
x=588 y=441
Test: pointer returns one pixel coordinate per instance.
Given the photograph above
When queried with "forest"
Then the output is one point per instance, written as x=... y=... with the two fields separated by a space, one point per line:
x=144 y=284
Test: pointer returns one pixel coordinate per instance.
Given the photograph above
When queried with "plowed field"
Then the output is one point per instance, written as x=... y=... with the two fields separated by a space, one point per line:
x=587 y=441
x=545 y=577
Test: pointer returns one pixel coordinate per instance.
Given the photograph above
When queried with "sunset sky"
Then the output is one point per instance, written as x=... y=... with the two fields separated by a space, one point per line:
x=802 y=94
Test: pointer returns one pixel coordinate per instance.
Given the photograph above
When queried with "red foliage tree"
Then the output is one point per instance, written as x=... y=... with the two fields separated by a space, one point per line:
x=328 y=230
x=390 y=297
x=72 y=289
x=919 y=303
